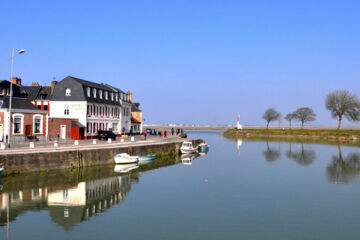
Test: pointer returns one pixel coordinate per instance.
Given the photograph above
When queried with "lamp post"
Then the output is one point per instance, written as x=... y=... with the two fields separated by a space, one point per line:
x=11 y=91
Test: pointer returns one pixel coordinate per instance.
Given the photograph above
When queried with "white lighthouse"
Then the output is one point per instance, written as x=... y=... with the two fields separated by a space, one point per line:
x=238 y=125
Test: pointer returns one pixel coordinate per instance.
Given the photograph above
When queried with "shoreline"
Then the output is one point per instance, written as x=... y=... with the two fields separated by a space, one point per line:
x=345 y=136
x=69 y=157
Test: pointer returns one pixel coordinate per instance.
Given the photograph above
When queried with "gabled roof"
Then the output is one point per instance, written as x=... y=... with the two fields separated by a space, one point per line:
x=32 y=91
x=18 y=103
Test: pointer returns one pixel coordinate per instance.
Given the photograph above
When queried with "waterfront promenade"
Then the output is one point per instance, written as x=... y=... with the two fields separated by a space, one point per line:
x=69 y=145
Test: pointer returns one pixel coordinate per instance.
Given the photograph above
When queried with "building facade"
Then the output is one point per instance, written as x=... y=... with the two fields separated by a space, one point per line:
x=96 y=106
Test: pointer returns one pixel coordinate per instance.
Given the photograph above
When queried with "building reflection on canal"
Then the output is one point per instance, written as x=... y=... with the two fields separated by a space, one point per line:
x=69 y=199
x=68 y=206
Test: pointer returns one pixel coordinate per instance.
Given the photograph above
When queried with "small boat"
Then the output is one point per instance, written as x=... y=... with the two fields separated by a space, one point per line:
x=123 y=158
x=144 y=162
x=124 y=168
x=203 y=148
x=1 y=170
x=187 y=147
x=147 y=157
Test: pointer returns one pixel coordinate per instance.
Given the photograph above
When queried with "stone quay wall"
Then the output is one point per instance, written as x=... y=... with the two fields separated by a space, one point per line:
x=44 y=161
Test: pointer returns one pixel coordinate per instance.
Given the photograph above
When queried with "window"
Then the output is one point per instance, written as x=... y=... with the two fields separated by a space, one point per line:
x=112 y=96
x=68 y=92
x=116 y=97
x=121 y=96
x=100 y=94
x=18 y=124
x=66 y=110
x=37 y=124
x=88 y=91
x=106 y=95
x=94 y=92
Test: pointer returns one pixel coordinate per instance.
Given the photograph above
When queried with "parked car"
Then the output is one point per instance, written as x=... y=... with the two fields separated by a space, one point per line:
x=105 y=135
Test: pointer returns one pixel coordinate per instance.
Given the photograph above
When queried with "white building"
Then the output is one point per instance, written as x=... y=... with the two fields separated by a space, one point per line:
x=96 y=106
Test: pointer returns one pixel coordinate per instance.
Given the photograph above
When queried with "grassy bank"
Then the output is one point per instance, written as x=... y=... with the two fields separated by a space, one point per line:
x=346 y=135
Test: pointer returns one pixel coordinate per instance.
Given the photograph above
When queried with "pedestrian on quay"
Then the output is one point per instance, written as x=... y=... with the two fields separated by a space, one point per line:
x=165 y=133
x=145 y=134
x=160 y=133
x=172 y=131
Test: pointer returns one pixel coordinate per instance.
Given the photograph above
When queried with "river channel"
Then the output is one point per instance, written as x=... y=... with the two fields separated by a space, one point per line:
x=242 y=189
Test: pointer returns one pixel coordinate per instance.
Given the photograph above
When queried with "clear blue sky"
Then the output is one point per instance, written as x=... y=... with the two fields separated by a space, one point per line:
x=192 y=61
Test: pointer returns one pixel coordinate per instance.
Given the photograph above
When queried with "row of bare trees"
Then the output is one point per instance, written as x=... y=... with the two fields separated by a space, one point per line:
x=339 y=103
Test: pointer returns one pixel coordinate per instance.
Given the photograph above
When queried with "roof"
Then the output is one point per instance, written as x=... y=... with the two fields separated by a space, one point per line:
x=92 y=84
x=135 y=107
x=18 y=103
x=77 y=124
x=78 y=89
x=34 y=92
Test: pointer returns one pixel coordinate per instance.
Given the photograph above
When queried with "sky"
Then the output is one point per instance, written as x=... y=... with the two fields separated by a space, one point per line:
x=192 y=62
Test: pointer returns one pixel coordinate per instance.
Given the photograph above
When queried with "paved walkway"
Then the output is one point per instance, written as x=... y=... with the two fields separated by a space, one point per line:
x=23 y=148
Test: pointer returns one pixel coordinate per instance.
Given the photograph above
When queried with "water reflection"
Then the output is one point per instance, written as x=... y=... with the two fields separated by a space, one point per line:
x=302 y=157
x=271 y=154
x=343 y=170
x=71 y=197
x=187 y=159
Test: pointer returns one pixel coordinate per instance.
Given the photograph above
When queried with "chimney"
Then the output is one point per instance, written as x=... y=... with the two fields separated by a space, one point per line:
x=53 y=83
x=16 y=80
x=130 y=96
x=34 y=84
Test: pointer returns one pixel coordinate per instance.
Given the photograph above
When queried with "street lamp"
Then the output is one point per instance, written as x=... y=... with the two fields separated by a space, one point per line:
x=11 y=91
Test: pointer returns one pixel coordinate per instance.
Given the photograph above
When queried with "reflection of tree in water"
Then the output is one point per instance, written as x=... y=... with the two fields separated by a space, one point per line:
x=302 y=157
x=343 y=170
x=271 y=155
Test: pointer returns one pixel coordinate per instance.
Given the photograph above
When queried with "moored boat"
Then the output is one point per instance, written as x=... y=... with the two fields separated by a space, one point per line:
x=187 y=147
x=203 y=148
x=124 y=158
x=147 y=157
x=1 y=170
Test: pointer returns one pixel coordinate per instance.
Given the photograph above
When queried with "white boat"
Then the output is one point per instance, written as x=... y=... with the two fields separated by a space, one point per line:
x=124 y=168
x=123 y=158
x=187 y=147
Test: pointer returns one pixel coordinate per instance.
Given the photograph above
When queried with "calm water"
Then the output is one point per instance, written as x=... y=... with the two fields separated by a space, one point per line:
x=240 y=190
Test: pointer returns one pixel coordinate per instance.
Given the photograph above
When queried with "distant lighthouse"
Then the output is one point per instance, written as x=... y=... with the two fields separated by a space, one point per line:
x=238 y=125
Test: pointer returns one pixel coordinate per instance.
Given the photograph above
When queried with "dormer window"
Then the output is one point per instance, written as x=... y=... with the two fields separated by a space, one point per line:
x=88 y=91
x=68 y=92
x=94 y=92
x=116 y=97
x=121 y=96
x=106 y=95
x=100 y=94
x=112 y=96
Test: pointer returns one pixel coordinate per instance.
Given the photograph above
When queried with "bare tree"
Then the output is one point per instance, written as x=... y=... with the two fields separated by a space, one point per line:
x=304 y=115
x=343 y=103
x=289 y=117
x=271 y=115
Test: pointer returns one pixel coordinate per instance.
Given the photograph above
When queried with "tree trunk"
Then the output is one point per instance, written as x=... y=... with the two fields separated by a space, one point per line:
x=339 y=125
x=290 y=124
x=267 y=125
x=302 y=125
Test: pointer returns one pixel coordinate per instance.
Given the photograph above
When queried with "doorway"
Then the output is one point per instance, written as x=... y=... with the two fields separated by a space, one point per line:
x=63 y=132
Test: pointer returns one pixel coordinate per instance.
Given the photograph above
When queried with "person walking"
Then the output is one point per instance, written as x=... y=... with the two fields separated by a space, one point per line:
x=160 y=133
x=145 y=134
x=165 y=133
x=172 y=131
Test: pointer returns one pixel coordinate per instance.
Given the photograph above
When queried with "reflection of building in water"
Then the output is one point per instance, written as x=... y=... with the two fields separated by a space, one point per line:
x=67 y=207
x=70 y=206
x=21 y=201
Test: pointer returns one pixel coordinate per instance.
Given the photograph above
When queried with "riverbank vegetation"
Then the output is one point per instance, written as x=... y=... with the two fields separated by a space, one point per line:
x=344 y=135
